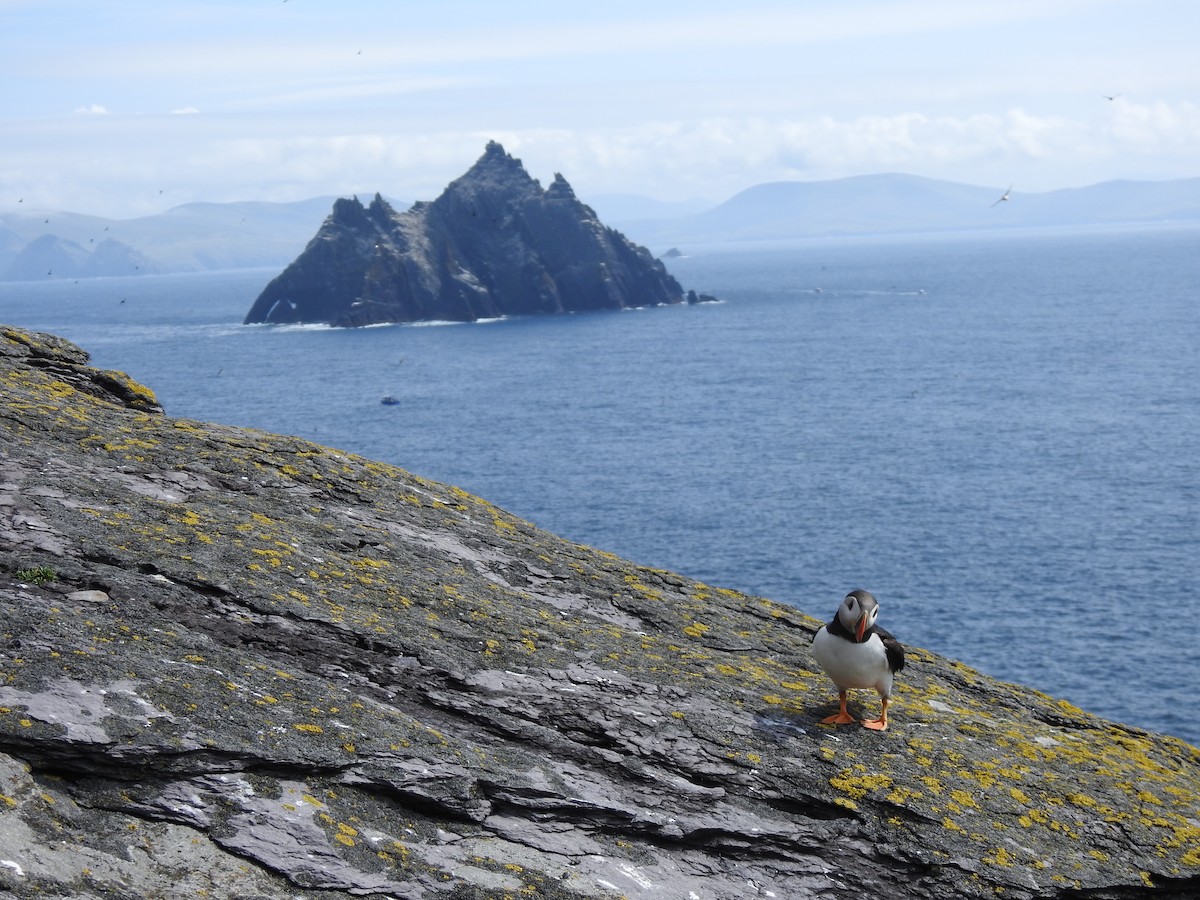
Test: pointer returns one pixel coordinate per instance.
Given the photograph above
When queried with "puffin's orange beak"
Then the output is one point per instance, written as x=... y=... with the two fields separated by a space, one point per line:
x=861 y=629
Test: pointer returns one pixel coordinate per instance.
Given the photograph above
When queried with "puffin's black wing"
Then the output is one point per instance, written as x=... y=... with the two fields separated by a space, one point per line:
x=891 y=646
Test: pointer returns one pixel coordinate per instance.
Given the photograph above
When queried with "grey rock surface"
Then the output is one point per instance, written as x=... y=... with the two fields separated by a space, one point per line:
x=237 y=664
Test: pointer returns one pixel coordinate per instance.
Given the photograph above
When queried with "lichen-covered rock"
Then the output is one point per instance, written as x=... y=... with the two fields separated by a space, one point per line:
x=68 y=371
x=235 y=664
x=493 y=244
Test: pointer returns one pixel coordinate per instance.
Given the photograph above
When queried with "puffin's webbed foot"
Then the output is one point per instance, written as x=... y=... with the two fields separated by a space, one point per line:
x=841 y=717
x=879 y=724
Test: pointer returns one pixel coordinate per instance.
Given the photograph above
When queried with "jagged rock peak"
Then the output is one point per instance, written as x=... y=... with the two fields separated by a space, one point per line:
x=496 y=169
x=494 y=155
x=560 y=189
x=378 y=203
x=347 y=210
x=349 y=213
x=494 y=243
x=381 y=212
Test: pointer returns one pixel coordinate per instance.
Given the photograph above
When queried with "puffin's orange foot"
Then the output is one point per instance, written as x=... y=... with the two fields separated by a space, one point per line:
x=879 y=724
x=839 y=718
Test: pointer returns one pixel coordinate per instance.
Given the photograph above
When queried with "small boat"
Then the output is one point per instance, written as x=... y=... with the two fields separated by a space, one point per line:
x=389 y=400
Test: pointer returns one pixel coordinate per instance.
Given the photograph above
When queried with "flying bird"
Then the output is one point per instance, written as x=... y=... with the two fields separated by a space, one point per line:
x=1004 y=196
x=1113 y=97
x=857 y=654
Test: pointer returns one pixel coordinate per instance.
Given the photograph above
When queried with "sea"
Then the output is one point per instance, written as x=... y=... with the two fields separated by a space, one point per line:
x=996 y=433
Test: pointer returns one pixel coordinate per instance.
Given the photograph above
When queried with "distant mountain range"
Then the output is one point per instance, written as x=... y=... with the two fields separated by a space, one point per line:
x=35 y=245
x=888 y=204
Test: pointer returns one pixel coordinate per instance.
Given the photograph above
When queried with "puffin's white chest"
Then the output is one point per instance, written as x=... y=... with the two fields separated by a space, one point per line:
x=850 y=665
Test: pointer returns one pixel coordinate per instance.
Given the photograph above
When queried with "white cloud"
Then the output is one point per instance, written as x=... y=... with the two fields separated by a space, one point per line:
x=275 y=157
x=674 y=100
x=1155 y=127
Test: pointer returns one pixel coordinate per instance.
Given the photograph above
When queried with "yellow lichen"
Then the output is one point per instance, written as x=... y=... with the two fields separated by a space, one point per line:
x=857 y=782
x=999 y=857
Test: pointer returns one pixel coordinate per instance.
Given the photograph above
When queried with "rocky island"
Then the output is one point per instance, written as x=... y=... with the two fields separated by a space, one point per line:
x=239 y=664
x=495 y=243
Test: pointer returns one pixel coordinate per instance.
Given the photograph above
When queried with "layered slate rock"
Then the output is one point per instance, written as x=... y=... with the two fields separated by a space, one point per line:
x=495 y=243
x=237 y=664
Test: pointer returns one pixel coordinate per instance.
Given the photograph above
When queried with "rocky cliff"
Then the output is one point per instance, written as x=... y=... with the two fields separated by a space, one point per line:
x=493 y=244
x=237 y=664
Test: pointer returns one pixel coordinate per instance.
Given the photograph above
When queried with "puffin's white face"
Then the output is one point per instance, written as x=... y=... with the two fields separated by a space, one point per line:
x=858 y=613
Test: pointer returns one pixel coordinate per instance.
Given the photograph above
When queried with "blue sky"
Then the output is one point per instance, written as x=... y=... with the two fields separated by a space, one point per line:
x=128 y=107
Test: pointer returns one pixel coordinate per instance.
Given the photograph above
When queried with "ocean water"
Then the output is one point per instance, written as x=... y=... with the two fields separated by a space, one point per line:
x=996 y=434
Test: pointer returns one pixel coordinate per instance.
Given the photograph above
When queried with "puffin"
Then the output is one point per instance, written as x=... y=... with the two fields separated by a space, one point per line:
x=856 y=653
